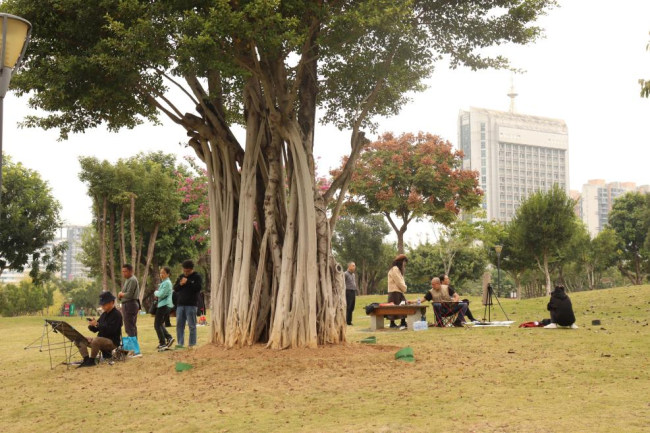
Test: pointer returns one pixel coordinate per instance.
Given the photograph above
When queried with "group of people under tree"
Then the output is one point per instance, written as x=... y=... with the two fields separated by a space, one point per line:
x=183 y=295
x=445 y=300
x=442 y=295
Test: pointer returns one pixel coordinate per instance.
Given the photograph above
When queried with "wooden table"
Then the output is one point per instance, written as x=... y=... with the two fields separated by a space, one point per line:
x=412 y=312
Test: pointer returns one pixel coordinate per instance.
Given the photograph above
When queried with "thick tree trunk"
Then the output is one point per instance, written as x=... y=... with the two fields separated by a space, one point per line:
x=150 y=250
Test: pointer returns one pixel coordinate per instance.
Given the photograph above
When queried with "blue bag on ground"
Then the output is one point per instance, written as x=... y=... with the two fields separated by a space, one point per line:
x=131 y=343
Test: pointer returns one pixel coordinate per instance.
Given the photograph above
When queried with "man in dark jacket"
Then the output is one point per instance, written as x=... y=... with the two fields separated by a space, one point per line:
x=108 y=329
x=561 y=309
x=188 y=286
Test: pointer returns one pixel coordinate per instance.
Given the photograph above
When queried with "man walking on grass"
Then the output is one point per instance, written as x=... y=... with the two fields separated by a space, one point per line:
x=350 y=291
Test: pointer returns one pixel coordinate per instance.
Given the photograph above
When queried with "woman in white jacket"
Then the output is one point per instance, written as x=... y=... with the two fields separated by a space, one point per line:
x=397 y=287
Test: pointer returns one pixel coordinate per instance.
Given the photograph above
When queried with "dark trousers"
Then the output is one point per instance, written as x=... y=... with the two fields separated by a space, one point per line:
x=162 y=314
x=468 y=313
x=130 y=315
x=350 y=299
x=96 y=344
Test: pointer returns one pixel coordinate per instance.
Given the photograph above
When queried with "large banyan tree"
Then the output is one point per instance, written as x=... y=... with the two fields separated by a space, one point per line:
x=268 y=66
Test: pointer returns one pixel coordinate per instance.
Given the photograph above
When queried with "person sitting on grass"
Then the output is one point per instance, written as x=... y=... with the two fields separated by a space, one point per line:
x=108 y=329
x=444 y=280
x=561 y=309
x=441 y=297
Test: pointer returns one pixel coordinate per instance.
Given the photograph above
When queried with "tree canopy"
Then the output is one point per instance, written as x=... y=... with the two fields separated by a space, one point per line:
x=411 y=177
x=544 y=223
x=629 y=219
x=361 y=240
x=29 y=218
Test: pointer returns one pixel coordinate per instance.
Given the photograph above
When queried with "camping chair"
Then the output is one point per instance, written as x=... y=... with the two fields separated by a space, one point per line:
x=446 y=313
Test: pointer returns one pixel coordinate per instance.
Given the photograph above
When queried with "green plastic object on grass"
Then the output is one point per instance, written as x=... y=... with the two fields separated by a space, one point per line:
x=181 y=366
x=369 y=340
x=405 y=354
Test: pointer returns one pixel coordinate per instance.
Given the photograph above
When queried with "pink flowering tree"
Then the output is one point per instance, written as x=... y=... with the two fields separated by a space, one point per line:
x=409 y=177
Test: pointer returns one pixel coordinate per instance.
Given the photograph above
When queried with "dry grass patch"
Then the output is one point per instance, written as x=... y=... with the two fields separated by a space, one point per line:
x=463 y=380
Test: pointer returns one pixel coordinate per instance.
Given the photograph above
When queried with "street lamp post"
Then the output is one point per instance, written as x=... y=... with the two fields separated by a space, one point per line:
x=14 y=37
x=498 y=249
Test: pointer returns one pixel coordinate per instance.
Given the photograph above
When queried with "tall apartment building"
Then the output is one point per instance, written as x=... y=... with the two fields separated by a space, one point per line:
x=515 y=155
x=597 y=199
x=71 y=266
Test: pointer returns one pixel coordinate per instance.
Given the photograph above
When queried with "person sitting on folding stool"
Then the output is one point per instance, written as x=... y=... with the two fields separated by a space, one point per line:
x=108 y=329
x=438 y=296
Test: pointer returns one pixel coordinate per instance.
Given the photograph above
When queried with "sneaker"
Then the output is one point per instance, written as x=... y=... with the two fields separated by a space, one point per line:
x=574 y=326
x=179 y=347
x=136 y=355
x=458 y=325
x=170 y=342
x=394 y=326
x=551 y=326
x=161 y=346
x=402 y=327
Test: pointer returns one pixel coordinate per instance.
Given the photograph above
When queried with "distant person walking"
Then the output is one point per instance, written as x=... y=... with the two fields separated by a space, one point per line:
x=350 y=291
x=165 y=304
x=129 y=296
x=188 y=286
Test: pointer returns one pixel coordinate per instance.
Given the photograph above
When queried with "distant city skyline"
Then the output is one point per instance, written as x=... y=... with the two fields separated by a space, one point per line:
x=587 y=76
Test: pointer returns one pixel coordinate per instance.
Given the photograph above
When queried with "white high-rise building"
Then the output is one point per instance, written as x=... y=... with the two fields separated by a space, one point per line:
x=515 y=155
x=597 y=199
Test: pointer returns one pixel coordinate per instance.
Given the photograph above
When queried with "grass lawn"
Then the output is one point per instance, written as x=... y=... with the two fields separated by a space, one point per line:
x=594 y=379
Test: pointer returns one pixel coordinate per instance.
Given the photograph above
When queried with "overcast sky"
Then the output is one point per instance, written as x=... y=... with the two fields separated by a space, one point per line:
x=585 y=71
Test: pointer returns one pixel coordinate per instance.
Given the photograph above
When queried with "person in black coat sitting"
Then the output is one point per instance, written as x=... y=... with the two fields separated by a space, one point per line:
x=108 y=329
x=561 y=309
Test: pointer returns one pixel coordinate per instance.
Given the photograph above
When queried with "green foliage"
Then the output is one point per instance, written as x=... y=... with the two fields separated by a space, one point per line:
x=629 y=219
x=361 y=240
x=154 y=179
x=50 y=260
x=24 y=298
x=426 y=262
x=543 y=224
x=358 y=238
x=29 y=218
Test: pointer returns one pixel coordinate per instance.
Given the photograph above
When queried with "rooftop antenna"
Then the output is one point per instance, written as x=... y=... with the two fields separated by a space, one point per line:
x=513 y=94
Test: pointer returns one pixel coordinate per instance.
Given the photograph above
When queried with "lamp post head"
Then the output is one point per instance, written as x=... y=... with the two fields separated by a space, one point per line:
x=498 y=249
x=14 y=37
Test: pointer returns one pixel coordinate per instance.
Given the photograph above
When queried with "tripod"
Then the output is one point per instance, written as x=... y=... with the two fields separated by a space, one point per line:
x=489 y=303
